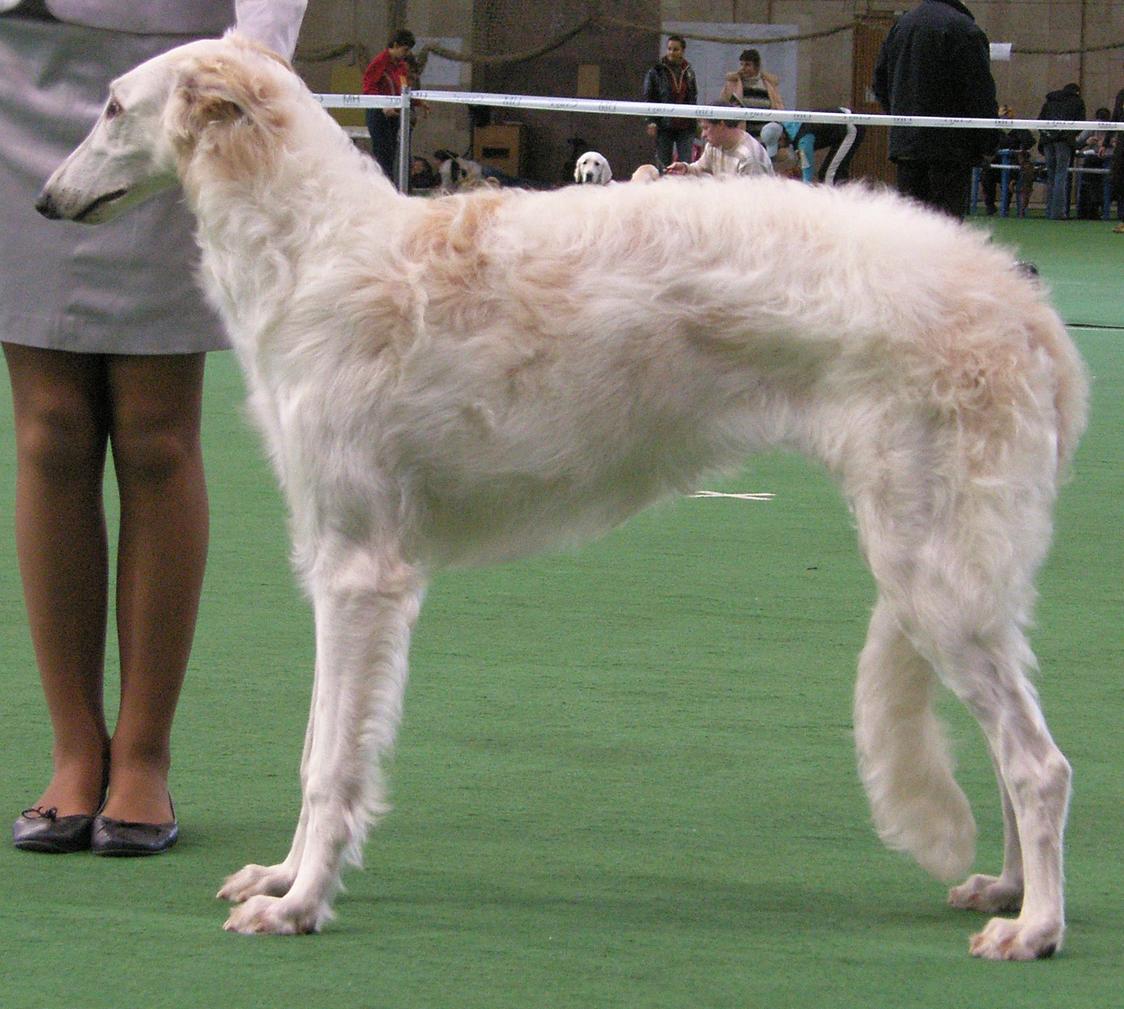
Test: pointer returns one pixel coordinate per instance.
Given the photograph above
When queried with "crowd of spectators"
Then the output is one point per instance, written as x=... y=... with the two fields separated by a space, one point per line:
x=936 y=42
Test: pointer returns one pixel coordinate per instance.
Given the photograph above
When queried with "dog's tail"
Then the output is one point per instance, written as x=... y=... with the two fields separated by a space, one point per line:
x=1071 y=383
x=904 y=758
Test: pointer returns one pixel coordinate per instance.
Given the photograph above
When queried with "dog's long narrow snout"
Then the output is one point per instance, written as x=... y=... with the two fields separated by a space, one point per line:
x=45 y=205
x=87 y=213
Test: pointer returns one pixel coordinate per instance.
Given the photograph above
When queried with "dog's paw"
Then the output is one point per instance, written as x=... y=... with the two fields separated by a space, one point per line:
x=255 y=880
x=264 y=915
x=1014 y=939
x=986 y=893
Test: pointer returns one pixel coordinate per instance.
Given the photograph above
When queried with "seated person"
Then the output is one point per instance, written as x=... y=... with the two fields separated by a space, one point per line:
x=1094 y=147
x=840 y=140
x=751 y=87
x=729 y=150
x=1021 y=143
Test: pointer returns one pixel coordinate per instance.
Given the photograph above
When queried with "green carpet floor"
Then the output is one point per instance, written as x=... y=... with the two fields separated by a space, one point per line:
x=625 y=777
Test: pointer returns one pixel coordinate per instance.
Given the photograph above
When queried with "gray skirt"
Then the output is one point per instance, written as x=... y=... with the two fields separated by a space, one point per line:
x=126 y=287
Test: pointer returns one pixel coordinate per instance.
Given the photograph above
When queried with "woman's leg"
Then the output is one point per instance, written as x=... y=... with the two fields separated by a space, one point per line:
x=1065 y=159
x=61 y=426
x=1049 y=153
x=384 y=140
x=154 y=435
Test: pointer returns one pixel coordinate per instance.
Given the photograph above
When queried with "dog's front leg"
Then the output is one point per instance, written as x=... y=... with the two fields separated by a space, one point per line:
x=276 y=880
x=365 y=607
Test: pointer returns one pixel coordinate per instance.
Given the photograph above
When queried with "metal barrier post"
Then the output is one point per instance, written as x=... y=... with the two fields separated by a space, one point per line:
x=404 y=142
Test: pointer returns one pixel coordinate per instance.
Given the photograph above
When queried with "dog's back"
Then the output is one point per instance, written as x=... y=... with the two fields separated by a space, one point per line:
x=632 y=339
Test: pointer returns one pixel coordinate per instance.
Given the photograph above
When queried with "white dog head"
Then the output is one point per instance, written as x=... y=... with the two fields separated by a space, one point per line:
x=215 y=93
x=592 y=169
x=645 y=174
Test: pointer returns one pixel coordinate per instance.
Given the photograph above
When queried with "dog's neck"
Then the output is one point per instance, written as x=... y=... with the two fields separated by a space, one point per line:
x=262 y=229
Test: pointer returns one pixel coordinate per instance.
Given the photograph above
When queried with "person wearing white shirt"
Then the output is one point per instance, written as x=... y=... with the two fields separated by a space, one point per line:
x=729 y=150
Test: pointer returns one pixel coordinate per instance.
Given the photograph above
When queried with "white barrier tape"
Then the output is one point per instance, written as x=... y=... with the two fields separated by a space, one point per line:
x=762 y=496
x=361 y=101
x=594 y=105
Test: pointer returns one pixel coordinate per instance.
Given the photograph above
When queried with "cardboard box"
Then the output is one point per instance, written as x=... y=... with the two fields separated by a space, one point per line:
x=501 y=145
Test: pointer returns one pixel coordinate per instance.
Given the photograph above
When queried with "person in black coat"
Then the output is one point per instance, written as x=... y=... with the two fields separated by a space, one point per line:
x=1057 y=147
x=936 y=62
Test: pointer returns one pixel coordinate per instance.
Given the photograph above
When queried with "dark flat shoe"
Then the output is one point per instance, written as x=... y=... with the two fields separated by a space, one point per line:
x=43 y=830
x=122 y=839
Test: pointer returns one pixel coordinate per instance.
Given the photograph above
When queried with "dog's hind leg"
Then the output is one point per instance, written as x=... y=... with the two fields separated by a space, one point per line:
x=988 y=673
x=954 y=561
x=985 y=665
x=967 y=597
x=906 y=767
x=365 y=607
x=1005 y=891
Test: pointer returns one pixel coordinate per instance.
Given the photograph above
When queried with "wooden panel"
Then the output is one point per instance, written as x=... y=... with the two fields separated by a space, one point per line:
x=347 y=80
x=589 y=81
x=872 y=160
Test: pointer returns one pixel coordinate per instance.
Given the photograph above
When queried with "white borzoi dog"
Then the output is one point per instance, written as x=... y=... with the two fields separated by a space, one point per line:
x=467 y=379
x=592 y=169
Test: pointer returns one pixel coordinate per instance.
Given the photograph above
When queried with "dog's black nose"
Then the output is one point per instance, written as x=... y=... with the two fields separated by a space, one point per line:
x=46 y=206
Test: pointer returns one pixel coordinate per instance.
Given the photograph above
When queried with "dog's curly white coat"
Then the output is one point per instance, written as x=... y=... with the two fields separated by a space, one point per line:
x=473 y=378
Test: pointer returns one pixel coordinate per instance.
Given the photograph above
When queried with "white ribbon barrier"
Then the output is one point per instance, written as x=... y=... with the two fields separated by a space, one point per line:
x=597 y=107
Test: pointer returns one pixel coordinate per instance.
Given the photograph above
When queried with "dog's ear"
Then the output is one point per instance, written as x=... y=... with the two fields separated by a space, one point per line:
x=226 y=107
x=205 y=95
x=219 y=91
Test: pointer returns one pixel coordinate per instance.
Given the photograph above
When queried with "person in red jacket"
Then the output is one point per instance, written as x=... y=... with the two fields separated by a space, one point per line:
x=387 y=74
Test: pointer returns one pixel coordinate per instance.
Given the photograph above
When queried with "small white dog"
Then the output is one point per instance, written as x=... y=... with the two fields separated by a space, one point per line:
x=592 y=169
x=471 y=378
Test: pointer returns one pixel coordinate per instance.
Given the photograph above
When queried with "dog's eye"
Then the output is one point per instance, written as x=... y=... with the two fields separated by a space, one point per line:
x=113 y=109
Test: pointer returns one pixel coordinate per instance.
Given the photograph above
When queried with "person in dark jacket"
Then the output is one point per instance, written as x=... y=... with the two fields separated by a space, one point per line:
x=672 y=81
x=936 y=62
x=1057 y=147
